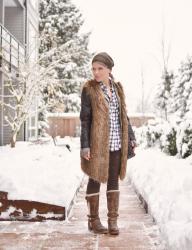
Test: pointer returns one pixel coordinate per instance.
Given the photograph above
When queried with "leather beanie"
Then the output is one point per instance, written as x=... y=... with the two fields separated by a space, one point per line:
x=103 y=58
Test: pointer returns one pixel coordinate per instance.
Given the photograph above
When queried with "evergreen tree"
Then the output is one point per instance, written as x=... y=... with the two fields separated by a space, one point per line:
x=181 y=90
x=162 y=98
x=60 y=23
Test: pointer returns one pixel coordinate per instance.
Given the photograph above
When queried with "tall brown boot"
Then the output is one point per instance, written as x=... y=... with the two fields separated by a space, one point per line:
x=113 y=207
x=94 y=223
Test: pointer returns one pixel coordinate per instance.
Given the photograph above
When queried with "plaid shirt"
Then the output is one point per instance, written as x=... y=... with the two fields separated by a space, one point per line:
x=114 y=120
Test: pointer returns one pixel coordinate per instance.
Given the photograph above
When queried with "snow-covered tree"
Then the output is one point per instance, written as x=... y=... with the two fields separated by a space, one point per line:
x=181 y=90
x=184 y=138
x=175 y=98
x=60 y=22
x=163 y=94
x=162 y=97
x=23 y=91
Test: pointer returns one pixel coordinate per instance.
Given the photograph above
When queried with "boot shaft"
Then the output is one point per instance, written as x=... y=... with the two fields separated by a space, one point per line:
x=93 y=205
x=113 y=203
x=113 y=207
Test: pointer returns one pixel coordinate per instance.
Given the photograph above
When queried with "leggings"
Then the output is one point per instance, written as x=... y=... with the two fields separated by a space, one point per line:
x=113 y=179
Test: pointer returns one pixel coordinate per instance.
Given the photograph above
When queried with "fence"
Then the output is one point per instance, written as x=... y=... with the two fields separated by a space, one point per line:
x=68 y=124
x=64 y=124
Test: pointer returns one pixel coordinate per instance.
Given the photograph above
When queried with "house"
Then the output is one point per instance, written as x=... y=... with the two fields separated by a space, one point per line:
x=19 y=25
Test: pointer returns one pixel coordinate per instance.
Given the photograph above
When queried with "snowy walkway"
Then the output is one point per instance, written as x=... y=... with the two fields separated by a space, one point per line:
x=137 y=230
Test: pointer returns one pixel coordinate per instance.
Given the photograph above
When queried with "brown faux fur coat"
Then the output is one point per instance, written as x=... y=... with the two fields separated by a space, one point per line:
x=94 y=117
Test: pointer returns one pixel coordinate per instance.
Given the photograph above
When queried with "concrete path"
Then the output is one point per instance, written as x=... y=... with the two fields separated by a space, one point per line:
x=137 y=229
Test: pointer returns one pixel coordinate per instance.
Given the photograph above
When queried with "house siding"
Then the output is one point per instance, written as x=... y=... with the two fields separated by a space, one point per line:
x=15 y=24
x=17 y=21
x=2 y=12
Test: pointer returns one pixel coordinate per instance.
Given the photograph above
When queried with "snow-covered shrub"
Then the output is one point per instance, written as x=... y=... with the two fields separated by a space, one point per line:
x=72 y=103
x=184 y=139
x=173 y=137
x=158 y=133
x=43 y=124
x=168 y=139
x=148 y=135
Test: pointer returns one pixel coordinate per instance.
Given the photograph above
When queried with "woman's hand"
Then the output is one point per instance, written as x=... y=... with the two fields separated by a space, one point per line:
x=85 y=153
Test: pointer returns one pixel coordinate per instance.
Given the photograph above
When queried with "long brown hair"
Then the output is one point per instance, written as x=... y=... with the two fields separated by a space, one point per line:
x=111 y=75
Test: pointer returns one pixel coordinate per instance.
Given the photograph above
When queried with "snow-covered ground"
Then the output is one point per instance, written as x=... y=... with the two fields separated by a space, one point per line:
x=41 y=172
x=48 y=173
x=165 y=182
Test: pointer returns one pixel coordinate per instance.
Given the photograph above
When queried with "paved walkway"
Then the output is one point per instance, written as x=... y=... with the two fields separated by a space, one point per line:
x=137 y=230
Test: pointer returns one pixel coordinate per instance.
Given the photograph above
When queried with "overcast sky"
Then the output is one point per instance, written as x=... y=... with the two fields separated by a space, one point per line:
x=131 y=32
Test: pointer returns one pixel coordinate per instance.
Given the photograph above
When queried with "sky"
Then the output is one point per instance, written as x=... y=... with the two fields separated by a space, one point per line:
x=131 y=32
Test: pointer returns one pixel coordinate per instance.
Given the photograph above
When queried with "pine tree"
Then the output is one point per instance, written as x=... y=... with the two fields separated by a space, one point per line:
x=162 y=98
x=181 y=90
x=60 y=23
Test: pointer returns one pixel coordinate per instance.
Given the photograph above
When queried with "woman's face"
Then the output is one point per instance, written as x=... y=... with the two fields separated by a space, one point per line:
x=100 y=72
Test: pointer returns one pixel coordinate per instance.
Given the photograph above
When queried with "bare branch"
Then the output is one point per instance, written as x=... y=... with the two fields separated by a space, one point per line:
x=24 y=90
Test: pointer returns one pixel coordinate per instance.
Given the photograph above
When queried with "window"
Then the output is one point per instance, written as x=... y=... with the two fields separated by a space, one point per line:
x=32 y=127
x=33 y=49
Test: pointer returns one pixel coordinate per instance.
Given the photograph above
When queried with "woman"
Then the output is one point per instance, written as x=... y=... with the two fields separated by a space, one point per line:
x=104 y=140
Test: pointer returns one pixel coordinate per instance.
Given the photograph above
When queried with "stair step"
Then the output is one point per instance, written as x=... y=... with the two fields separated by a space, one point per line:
x=30 y=210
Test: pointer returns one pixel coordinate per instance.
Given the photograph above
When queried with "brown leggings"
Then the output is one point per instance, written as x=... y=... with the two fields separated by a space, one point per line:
x=113 y=179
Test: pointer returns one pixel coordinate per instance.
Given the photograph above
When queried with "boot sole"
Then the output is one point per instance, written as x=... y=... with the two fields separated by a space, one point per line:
x=98 y=232
x=114 y=233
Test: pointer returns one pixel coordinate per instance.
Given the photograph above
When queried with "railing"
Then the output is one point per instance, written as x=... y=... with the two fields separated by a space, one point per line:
x=12 y=51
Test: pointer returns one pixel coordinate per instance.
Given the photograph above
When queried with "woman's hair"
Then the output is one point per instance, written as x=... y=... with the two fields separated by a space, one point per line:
x=111 y=76
x=104 y=58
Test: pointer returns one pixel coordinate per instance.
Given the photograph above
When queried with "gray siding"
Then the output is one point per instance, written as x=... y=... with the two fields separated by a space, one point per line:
x=33 y=19
x=5 y=128
x=21 y=2
x=15 y=24
x=17 y=21
x=6 y=135
x=1 y=11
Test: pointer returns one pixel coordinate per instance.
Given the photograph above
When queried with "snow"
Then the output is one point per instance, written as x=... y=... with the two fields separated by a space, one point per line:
x=47 y=173
x=41 y=172
x=5 y=215
x=165 y=182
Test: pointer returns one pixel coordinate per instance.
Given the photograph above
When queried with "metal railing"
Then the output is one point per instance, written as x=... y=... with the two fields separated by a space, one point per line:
x=11 y=50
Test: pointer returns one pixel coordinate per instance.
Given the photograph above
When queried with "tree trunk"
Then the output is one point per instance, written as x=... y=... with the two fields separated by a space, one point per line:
x=13 y=139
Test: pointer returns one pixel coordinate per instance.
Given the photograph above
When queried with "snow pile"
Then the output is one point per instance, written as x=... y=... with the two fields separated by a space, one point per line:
x=165 y=182
x=41 y=172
